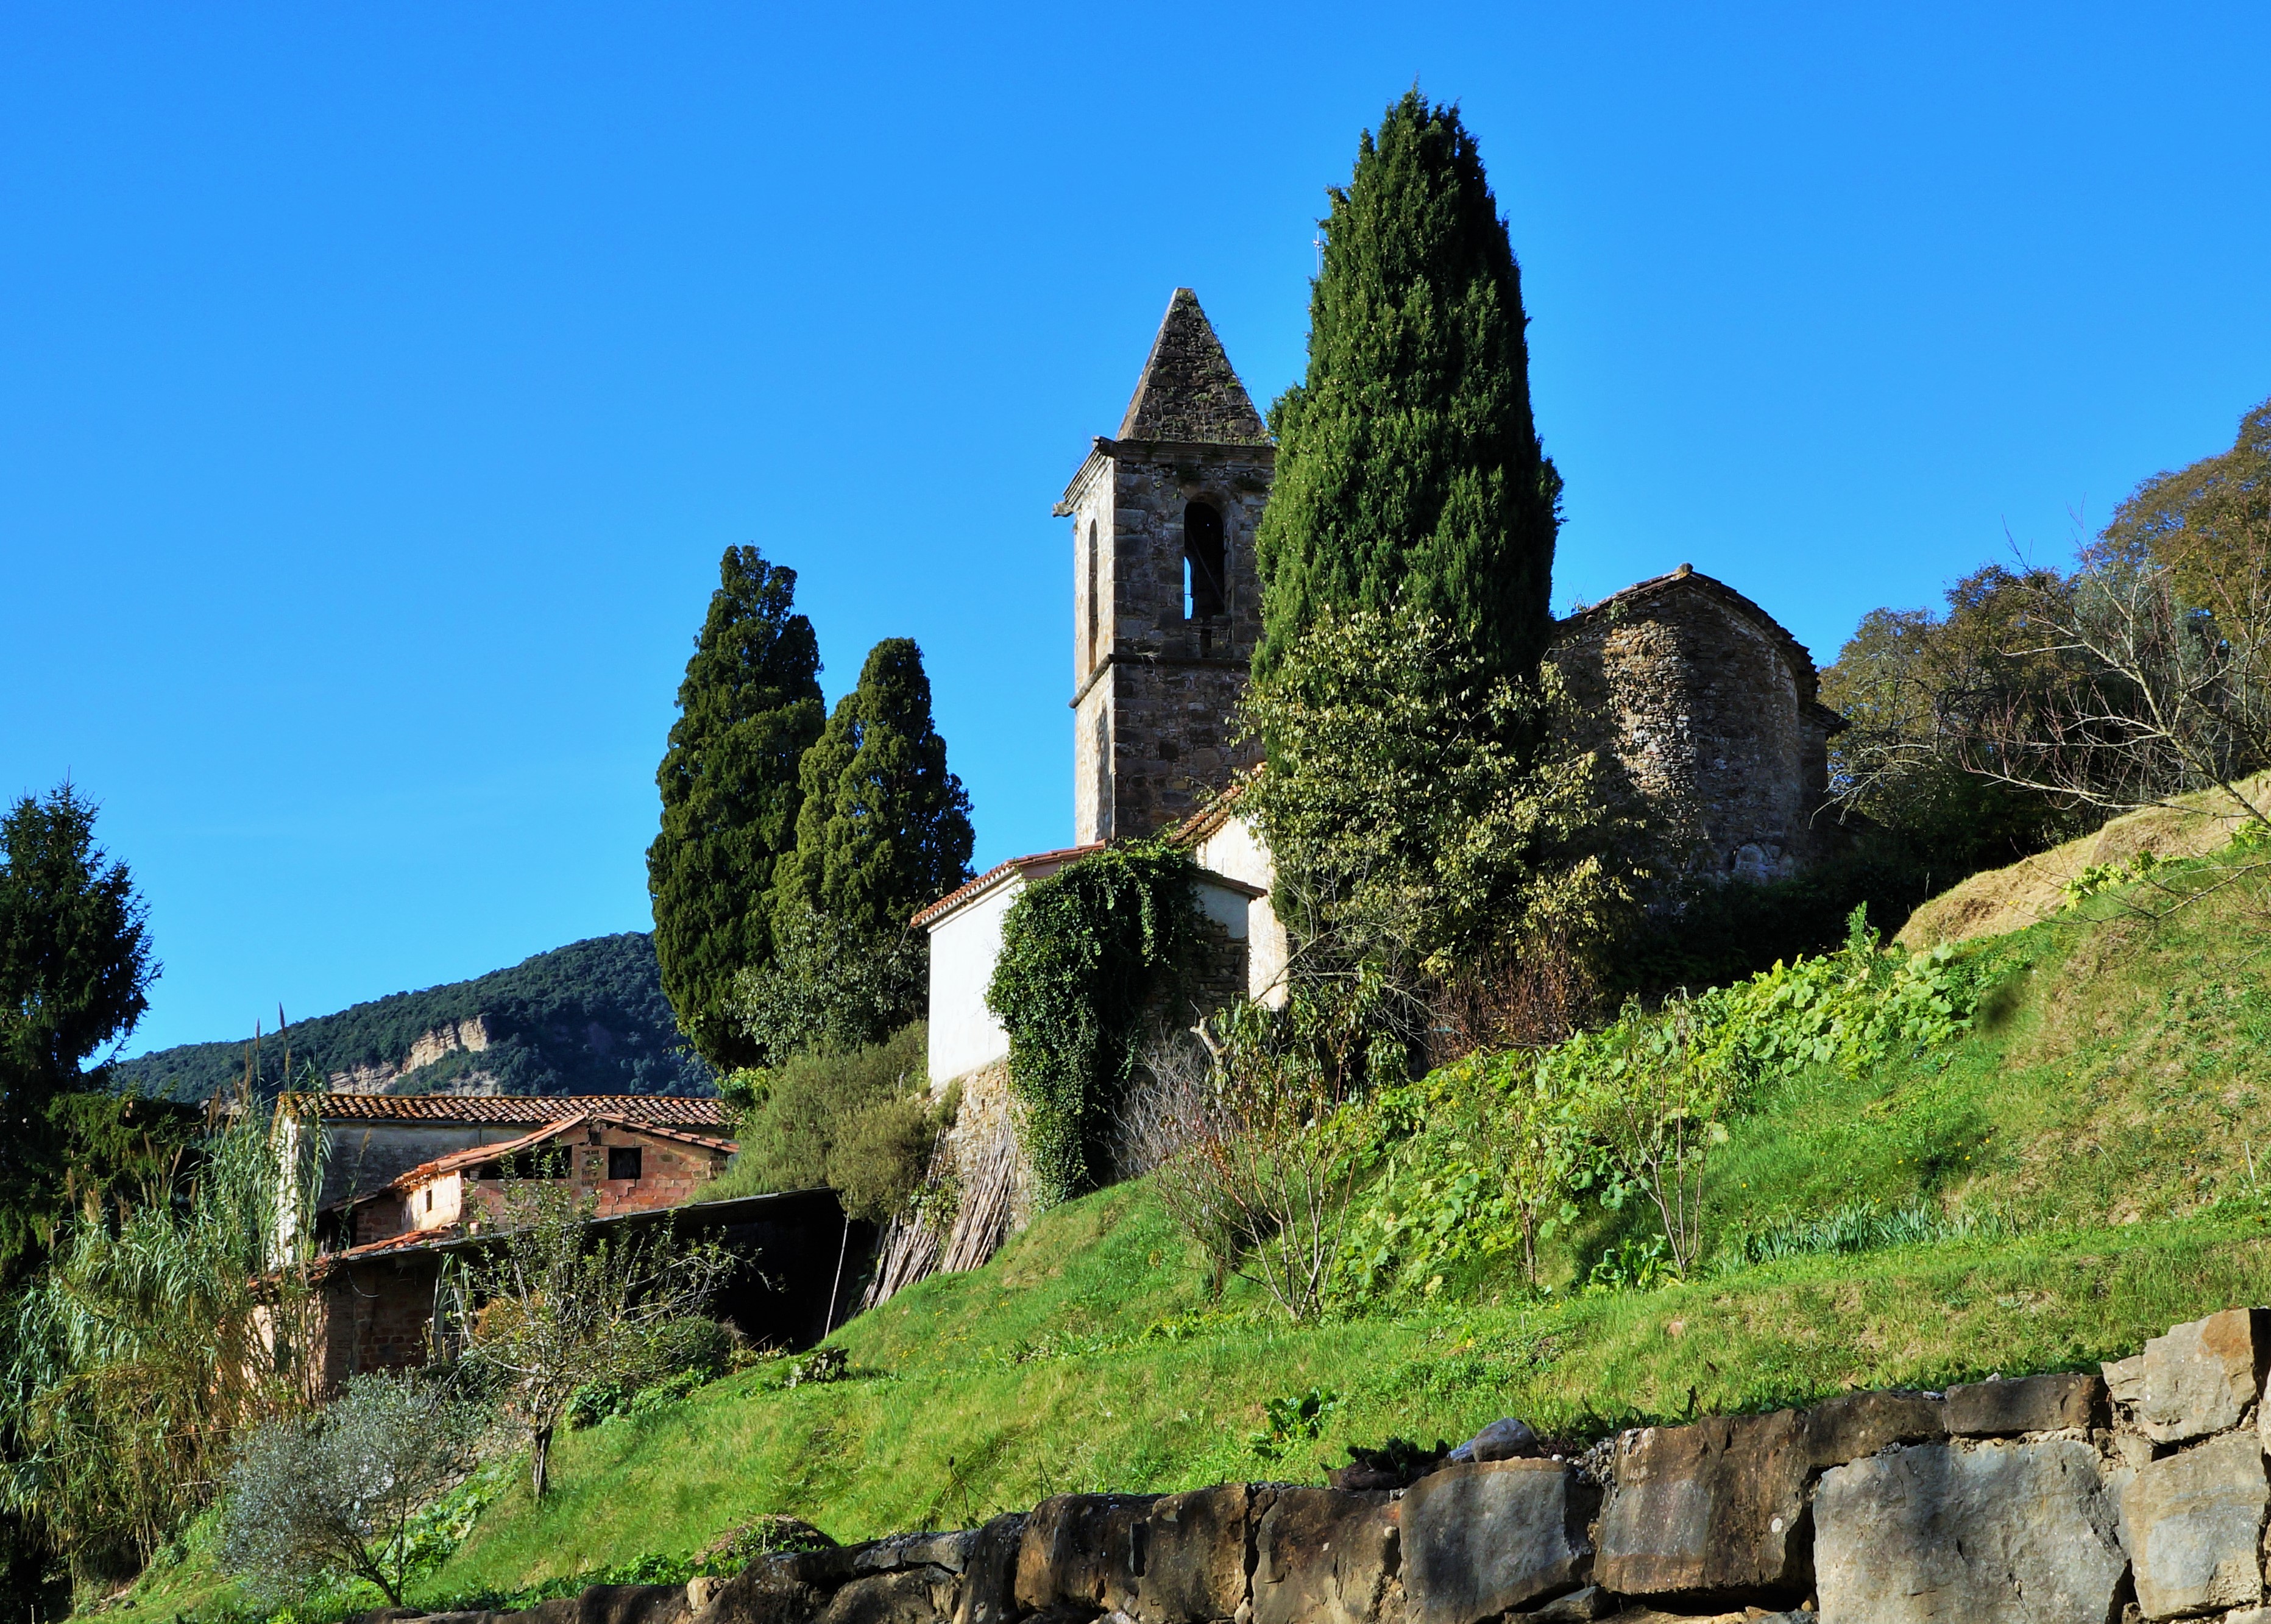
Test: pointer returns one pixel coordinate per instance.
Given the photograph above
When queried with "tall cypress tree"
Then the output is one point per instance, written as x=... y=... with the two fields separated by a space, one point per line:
x=1408 y=467
x=884 y=828
x=748 y=710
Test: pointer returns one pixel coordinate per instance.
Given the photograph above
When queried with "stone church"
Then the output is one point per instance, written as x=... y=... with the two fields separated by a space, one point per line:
x=1706 y=709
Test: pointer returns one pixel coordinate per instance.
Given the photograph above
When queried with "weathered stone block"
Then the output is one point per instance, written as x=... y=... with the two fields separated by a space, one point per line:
x=767 y=1592
x=2031 y=1405
x=909 y=1595
x=1715 y=1510
x=1194 y=1556
x=1083 y=1550
x=1577 y=1608
x=2021 y=1533
x=2197 y=1379
x=1480 y=1539
x=989 y=1575
x=950 y=1550
x=614 y=1604
x=2194 y=1525
x=1321 y=1556
x=1845 y=1429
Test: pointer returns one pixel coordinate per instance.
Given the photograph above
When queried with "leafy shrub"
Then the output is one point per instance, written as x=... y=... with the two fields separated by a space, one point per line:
x=1288 y=1421
x=1493 y=1151
x=829 y=985
x=335 y=1492
x=859 y=1120
x=1636 y=1263
x=1082 y=950
x=683 y=1355
x=2098 y=878
x=819 y=1364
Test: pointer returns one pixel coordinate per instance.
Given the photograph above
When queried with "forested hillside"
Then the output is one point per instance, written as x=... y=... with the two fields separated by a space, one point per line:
x=587 y=1018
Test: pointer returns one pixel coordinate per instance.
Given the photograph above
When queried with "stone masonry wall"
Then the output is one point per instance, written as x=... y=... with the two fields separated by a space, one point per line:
x=2072 y=1499
x=1155 y=688
x=1706 y=719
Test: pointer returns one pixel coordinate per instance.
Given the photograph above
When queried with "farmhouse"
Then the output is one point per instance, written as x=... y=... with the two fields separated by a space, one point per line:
x=621 y=1165
x=411 y=1182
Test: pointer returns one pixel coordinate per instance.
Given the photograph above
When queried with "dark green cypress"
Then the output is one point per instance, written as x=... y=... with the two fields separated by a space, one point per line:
x=748 y=710
x=1408 y=467
x=884 y=828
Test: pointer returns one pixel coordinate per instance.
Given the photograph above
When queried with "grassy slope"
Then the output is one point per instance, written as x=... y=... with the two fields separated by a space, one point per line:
x=2102 y=1102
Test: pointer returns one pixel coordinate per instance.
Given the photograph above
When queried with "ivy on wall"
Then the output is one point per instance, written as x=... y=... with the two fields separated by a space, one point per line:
x=1081 y=953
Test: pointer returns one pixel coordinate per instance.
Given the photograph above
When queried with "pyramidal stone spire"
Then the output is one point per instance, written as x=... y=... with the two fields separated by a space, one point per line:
x=1187 y=392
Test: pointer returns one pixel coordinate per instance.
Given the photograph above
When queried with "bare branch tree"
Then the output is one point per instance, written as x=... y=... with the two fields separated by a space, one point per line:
x=2169 y=699
x=549 y=1307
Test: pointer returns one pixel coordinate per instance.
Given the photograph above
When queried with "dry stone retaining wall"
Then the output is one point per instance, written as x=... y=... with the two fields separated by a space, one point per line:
x=2137 y=1496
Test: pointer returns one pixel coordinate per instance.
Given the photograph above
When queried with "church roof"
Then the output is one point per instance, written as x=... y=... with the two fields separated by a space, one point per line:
x=1188 y=391
x=1687 y=577
x=1041 y=864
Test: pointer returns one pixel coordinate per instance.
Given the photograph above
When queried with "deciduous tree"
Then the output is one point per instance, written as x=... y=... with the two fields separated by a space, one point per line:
x=548 y=1307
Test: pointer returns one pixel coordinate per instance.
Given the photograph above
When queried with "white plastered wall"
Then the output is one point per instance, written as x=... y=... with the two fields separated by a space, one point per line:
x=1236 y=852
x=964 y=1034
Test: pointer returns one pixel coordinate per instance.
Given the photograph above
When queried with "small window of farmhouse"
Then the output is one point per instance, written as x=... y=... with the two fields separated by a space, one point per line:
x=622 y=1161
x=429 y=1200
x=1203 y=577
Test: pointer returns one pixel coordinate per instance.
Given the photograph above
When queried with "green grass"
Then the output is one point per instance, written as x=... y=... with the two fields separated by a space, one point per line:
x=2091 y=1131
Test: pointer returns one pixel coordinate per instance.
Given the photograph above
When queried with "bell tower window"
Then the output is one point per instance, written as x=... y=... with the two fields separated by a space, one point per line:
x=1203 y=597
x=1091 y=595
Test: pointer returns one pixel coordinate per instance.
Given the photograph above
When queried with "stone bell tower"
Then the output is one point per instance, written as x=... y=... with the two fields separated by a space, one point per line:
x=1167 y=606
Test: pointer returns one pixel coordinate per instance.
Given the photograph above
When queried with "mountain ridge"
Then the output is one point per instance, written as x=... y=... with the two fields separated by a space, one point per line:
x=586 y=1018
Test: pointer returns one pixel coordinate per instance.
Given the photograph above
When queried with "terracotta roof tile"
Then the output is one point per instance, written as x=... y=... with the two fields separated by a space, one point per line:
x=663 y=1110
x=1045 y=862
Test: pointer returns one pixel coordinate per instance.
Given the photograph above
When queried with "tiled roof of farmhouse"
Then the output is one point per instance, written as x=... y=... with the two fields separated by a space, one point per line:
x=1689 y=578
x=479 y=1153
x=1047 y=862
x=1188 y=391
x=664 y=1110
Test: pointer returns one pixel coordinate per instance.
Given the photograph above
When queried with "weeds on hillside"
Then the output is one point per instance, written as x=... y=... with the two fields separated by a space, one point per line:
x=1497 y=1152
x=1250 y=1141
x=1857 y=1229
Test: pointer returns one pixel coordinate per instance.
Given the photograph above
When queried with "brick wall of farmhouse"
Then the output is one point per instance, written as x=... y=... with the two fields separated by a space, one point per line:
x=669 y=1174
x=375 y=1314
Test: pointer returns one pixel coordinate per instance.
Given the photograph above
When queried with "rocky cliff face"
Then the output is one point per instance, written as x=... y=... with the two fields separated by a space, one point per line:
x=466 y=1037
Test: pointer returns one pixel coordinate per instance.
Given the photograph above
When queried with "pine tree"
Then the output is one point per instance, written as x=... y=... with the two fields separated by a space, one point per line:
x=748 y=710
x=1408 y=468
x=75 y=973
x=884 y=828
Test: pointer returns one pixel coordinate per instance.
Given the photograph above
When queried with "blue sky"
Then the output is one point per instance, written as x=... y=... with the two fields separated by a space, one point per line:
x=379 y=385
